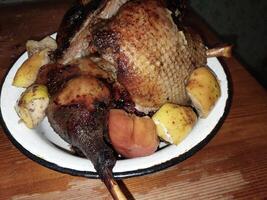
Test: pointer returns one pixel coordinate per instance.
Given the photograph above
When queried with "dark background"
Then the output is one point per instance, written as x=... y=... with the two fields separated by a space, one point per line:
x=242 y=23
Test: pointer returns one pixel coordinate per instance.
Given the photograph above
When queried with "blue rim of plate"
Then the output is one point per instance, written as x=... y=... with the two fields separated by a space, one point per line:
x=133 y=173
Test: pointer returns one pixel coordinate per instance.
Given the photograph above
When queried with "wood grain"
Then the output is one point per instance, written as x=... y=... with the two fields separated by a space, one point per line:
x=232 y=166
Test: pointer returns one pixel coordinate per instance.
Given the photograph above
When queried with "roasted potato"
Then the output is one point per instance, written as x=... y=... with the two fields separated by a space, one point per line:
x=204 y=90
x=174 y=122
x=32 y=105
x=27 y=73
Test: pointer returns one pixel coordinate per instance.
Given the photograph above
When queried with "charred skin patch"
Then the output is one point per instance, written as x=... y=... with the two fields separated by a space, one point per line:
x=85 y=131
x=72 y=22
x=123 y=68
x=83 y=125
x=106 y=41
x=55 y=75
x=58 y=78
x=42 y=76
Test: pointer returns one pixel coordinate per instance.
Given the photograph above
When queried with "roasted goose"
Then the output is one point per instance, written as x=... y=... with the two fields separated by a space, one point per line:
x=132 y=55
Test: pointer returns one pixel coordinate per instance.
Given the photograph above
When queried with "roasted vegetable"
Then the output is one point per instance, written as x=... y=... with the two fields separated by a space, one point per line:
x=27 y=73
x=132 y=136
x=204 y=90
x=174 y=122
x=32 y=105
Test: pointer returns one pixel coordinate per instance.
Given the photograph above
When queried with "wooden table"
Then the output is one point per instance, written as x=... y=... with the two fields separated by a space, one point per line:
x=232 y=166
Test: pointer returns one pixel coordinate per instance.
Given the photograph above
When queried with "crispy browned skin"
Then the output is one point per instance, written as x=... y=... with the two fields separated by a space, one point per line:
x=153 y=58
x=77 y=112
x=74 y=34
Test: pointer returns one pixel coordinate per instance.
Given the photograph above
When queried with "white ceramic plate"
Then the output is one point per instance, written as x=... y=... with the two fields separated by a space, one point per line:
x=44 y=146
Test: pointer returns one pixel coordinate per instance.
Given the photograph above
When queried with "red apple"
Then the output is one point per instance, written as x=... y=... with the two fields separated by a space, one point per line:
x=132 y=136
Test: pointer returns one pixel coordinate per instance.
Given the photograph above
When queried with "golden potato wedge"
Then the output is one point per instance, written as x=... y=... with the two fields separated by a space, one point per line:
x=27 y=73
x=174 y=122
x=34 y=47
x=203 y=90
x=32 y=104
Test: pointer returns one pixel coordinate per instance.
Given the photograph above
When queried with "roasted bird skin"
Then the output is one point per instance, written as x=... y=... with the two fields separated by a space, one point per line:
x=84 y=130
x=151 y=54
x=75 y=32
x=77 y=112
